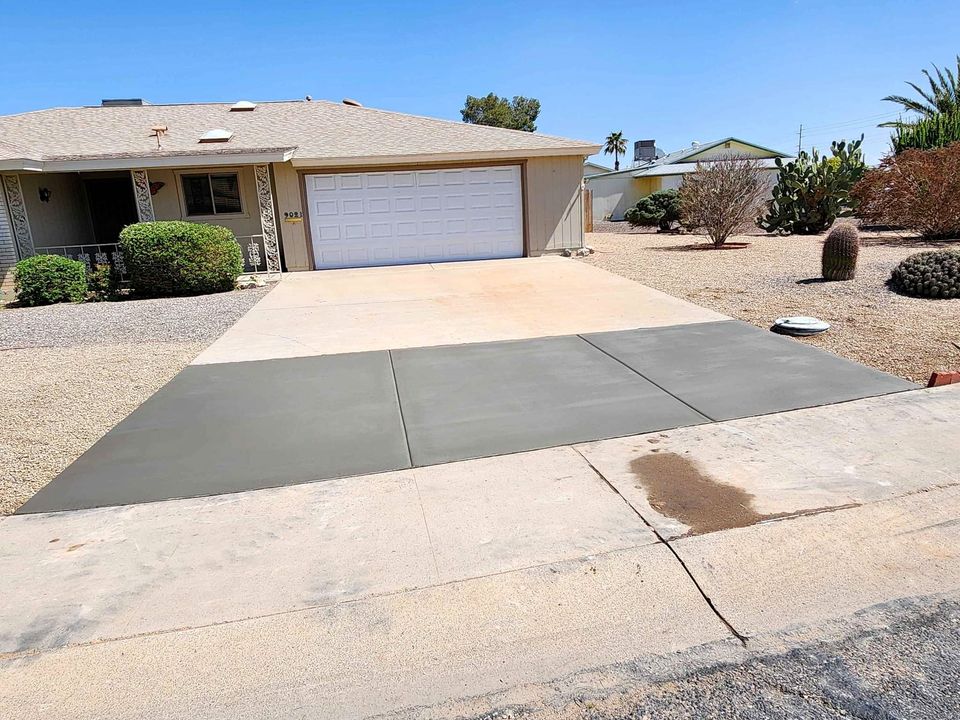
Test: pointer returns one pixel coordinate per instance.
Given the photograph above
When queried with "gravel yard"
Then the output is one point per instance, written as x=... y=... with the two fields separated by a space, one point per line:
x=909 y=337
x=69 y=373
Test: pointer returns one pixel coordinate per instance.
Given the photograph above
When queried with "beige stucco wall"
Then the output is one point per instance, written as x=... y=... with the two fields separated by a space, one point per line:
x=613 y=195
x=554 y=204
x=65 y=219
x=293 y=234
x=168 y=202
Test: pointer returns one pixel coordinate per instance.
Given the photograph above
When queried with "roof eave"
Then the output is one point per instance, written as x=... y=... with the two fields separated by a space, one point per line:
x=21 y=164
x=135 y=163
x=470 y=156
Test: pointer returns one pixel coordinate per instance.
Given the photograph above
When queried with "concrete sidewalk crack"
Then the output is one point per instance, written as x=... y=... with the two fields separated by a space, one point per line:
x=733 y=631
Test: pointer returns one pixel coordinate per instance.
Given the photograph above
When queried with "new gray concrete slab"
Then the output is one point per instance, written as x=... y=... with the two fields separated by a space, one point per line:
x=730 y=369
x=242 y=426
x=468 y=401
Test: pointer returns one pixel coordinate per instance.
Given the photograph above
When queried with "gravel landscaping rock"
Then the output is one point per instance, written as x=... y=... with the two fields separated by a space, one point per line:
x=777 y=276
x=191 y=319
x=69 y=373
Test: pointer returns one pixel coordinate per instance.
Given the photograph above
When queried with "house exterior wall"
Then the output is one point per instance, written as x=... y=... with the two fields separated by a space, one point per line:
x=291 y=218
x=8 y=248
x=64 y=219
x=613 y=195
x=554 y=204
x=168 y=201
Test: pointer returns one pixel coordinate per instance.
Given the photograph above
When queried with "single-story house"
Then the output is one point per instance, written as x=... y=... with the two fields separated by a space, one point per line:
x=304 y=185
x=592 y=168
x=615 y=192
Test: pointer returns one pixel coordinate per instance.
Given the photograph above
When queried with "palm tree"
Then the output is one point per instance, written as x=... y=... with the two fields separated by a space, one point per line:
x=942 y=97
x=616 y=145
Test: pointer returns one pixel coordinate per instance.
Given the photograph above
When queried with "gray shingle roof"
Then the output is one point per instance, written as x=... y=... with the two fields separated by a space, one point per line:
x=308 y=130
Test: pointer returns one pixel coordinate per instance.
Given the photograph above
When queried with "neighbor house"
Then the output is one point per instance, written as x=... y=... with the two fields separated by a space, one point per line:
x=613 y=193
x=592 y=168
x=303 y=185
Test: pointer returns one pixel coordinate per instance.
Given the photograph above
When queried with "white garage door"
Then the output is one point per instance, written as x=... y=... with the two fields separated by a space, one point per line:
x=392 y=218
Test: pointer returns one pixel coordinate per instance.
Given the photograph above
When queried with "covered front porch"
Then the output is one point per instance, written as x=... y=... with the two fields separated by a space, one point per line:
x=80 y=214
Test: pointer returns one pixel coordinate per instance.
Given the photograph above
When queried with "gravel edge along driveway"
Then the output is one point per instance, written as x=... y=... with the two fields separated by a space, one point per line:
x=69 y=373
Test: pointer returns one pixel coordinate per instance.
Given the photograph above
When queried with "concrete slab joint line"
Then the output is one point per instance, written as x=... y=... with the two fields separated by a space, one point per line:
x=713 y=608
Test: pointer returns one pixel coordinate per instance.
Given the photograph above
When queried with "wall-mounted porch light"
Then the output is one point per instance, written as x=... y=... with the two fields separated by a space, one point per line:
x=44 y=194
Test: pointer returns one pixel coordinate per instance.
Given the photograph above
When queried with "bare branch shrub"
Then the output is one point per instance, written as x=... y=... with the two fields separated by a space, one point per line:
x=723 y=197
x=917 y=189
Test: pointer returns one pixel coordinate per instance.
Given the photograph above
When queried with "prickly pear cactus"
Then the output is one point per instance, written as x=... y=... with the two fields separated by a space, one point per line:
x=932 y=274
x=840 y=251
x=813 y=191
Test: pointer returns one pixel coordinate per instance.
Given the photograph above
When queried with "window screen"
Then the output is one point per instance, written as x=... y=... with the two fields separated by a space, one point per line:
x=210 y=194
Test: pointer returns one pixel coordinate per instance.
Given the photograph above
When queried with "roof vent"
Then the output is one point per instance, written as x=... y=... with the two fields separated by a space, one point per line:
x=243 y=106
x=351 y=102
x=121 y=102
x=216 y=135
x=695 y=144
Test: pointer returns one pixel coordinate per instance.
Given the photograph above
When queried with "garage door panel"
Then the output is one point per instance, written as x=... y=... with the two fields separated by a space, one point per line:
x=386 y=218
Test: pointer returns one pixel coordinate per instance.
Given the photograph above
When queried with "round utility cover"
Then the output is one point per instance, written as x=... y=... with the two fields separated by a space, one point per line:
x=800 y=325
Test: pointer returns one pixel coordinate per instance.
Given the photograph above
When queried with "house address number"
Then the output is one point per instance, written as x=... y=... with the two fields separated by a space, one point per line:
x=293 y=216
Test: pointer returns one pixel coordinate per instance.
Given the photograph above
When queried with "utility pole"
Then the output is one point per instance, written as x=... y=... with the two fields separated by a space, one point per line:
x=800 y=140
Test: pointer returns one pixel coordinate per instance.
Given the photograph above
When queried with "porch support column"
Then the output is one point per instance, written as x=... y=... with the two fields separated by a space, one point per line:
x=141 y=192
x=268 y=224
x=18 y=215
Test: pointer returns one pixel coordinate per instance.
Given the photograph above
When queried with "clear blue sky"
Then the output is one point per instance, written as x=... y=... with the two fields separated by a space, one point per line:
x=674 y=71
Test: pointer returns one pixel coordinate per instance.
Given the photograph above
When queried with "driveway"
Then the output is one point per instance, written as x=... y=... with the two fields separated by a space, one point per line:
x=236 y=421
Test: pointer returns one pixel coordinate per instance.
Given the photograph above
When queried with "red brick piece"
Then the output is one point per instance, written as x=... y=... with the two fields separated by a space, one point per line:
x=944 y=378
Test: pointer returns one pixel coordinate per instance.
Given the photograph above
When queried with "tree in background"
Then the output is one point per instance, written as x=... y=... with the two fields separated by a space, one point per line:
x=723 y=197
x=942 y=97
x=517 y=114
x=813 y=191
x=661 y=208
x=616 y=145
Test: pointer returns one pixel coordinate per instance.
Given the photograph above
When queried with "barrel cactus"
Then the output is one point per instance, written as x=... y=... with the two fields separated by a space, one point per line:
x=933 y=274
x=840 y=250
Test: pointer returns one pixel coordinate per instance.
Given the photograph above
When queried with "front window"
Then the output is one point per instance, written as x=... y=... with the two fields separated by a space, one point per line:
x=211 y=194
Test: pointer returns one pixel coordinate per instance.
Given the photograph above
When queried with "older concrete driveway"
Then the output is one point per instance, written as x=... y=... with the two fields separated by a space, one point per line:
x=343 y=311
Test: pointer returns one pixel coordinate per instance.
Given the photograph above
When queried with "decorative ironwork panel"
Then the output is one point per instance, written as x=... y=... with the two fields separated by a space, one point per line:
x=18 y=215
x=271 y=244
x=141 y=191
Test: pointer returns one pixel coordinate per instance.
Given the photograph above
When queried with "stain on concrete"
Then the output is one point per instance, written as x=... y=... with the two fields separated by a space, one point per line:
x=75 y=547
x=677 y=487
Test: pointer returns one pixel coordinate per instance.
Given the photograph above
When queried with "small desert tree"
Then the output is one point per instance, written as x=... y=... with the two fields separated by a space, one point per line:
x=915 y=189
x=723 y=197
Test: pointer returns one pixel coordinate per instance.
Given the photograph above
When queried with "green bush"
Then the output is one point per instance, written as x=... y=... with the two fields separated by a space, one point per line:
x=172 y=258
x=934 y=274
x=661 y=208
x=927 y=133
x=48 y=279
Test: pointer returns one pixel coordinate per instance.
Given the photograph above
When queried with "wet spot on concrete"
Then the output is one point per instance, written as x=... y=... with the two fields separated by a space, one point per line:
x=677 y=487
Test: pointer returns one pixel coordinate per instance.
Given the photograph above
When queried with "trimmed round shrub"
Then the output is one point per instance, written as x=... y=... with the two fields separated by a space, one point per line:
x=48 y=279
x=661 y=208
x=173 y=258
x=933 y=274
